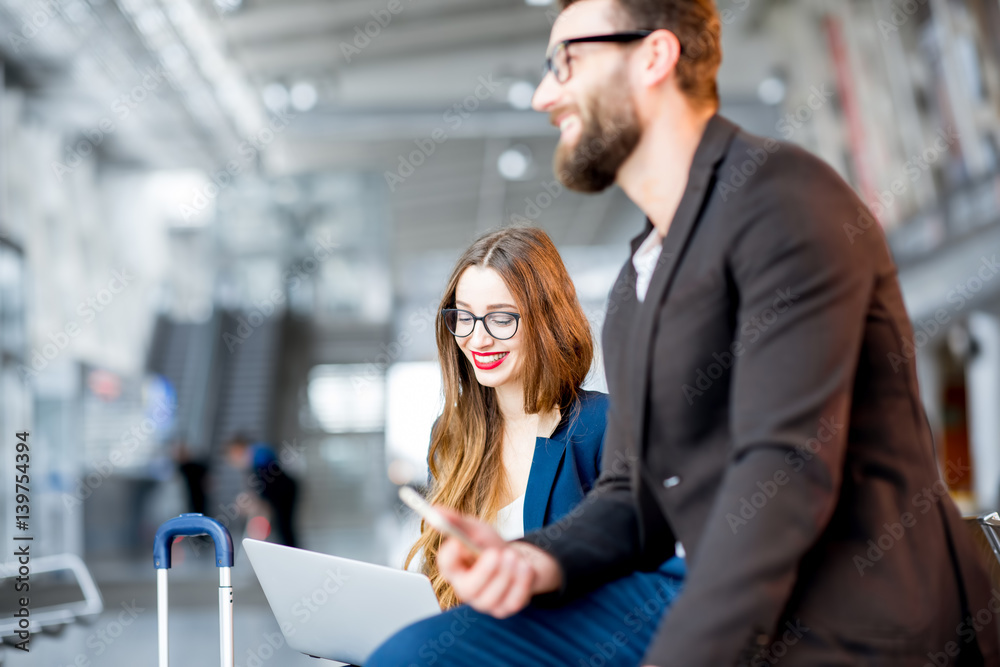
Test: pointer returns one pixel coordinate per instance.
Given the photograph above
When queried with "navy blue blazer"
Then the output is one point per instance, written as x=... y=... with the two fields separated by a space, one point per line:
x=562 y=475
x=566 y=466
x=567 y=463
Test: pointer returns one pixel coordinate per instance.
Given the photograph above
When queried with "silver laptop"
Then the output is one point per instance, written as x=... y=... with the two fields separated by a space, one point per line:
x=337 y=608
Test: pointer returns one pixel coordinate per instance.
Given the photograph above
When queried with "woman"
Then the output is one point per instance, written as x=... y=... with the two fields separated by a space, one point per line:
x=519 y=442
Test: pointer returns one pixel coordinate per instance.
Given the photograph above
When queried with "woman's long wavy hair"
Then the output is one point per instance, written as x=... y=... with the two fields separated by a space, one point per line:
x=466 y=458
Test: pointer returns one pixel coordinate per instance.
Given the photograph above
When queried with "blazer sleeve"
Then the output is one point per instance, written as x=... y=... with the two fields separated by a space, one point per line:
x=789 y=406
x=599 y=541
x=586 y=436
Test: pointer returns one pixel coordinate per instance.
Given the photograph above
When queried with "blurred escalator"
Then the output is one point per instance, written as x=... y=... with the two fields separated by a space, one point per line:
x=224 y=372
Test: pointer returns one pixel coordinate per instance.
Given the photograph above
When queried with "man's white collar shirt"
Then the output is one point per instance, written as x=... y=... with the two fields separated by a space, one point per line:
x=644 y=260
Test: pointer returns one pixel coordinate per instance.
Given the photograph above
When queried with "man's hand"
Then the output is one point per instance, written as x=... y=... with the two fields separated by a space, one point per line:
x=500 y=581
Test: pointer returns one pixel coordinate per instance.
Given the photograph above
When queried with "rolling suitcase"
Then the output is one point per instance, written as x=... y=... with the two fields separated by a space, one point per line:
x=189 y=525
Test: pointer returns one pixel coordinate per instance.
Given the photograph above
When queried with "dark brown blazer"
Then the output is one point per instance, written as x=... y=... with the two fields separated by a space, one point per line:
x=765 y=413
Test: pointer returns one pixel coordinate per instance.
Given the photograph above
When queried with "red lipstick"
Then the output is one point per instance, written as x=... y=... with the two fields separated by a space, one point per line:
x=490 y=365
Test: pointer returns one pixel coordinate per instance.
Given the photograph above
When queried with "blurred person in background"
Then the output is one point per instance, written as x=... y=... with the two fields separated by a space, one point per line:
x=195 y=472
x=269 y=480
x=755 y=403
x=519 y=443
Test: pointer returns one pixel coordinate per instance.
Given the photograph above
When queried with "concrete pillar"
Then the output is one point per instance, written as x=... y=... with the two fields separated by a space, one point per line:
x=983 y=380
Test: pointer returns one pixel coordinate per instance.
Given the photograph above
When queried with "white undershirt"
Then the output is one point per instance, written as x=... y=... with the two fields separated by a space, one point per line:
x=510 y=520
x=644 y=260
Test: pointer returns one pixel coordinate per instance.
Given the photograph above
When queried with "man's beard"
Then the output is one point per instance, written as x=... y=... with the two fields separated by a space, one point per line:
x=610 y=132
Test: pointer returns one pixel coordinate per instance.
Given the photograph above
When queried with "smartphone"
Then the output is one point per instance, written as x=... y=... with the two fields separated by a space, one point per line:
x=437 y=520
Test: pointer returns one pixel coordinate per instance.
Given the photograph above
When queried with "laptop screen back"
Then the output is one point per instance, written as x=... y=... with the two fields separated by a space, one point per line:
x=337 y=608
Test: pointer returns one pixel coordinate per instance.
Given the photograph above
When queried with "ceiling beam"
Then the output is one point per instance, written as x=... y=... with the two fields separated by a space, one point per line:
x=405 y=126
x=293 y=20
x=331 y=51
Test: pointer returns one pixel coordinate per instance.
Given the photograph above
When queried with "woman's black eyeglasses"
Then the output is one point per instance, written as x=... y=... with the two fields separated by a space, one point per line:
x=558 y=61
x=461 y=323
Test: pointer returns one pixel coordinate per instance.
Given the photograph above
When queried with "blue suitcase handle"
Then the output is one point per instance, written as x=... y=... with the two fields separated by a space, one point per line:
x=187 y=525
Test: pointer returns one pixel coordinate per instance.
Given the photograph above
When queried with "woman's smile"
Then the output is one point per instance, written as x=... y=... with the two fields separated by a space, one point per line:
x=485 y=362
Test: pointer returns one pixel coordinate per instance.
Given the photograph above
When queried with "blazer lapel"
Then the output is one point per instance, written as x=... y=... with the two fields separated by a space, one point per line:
x=544 y=465
x=635 y=243
x=714 y=144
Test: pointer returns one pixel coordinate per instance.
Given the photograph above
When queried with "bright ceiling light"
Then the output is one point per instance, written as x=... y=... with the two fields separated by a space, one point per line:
x=228 y=5
x=771 y=91
x=519 y=94
x=304 y=96
x=275 y=96
x=514 y=163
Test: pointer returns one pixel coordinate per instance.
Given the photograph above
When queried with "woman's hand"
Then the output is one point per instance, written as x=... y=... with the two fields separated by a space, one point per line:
x=503 y=578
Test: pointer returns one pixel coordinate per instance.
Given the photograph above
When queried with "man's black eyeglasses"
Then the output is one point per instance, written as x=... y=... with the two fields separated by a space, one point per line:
x=558 y=61
x=461 y=323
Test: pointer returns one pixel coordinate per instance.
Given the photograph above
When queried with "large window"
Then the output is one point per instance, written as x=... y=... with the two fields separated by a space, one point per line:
x=347 y=398
x=413 y=402
x=15 y=394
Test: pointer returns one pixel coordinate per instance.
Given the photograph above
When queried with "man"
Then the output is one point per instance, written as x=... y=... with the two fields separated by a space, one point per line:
x=268 y=479
x=760 y=411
